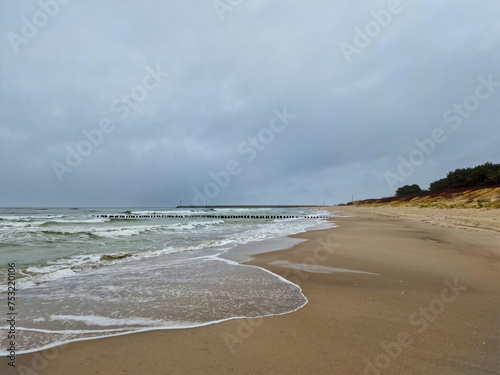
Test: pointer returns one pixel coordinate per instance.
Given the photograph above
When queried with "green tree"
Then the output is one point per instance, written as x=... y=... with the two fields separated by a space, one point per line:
x=408 y=190
x=487 y=174
x=438 y=185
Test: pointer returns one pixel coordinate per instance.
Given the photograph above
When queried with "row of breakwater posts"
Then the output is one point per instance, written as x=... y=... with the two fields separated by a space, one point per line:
x=214 y=216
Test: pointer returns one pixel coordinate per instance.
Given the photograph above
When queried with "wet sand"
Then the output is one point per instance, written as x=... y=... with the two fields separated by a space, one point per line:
x=432 y=307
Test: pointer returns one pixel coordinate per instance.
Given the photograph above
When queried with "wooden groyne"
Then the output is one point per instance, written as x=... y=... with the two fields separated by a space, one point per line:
x=214 y=216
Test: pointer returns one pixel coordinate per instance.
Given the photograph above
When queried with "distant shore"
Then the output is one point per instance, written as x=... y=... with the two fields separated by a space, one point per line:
x=428 y=303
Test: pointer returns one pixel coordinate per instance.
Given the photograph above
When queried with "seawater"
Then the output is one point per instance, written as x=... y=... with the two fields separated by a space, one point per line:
x=80 y=276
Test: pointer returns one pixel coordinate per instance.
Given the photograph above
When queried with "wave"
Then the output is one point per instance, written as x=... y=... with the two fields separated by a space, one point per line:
x=72 y=222
x=115 y=220
x=68 y=233
x=241 y=236
x=108 y=231
x=111 y=257
x=28 y=217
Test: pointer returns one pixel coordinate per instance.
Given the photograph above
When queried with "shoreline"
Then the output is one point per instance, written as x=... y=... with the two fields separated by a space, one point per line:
x=237 y=257
x=348 y=318
x=241 y=254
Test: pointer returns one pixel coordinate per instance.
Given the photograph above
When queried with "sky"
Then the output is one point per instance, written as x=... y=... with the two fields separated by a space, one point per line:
x=147 y=104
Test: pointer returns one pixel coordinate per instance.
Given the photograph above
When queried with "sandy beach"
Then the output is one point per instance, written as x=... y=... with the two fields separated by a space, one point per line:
x=391 y=291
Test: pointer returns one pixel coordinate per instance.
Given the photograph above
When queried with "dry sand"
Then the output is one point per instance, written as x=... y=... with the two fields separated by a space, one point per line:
x=432 y=308
x=470 y=219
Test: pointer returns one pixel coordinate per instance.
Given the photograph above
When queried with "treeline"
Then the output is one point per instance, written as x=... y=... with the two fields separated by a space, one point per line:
x=487 y=174
x=484 y=175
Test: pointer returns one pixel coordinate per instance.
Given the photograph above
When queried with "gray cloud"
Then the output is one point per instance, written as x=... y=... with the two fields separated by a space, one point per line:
x=353 y=119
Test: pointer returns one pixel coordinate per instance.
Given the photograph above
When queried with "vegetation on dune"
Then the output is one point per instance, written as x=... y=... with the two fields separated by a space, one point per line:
x=484 y=175
x=476 y=187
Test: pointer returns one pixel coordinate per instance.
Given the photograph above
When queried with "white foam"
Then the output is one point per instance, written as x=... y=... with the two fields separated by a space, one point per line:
x=157 y=212
x=69 y=331
x=194 y=224
x=16 y=224
x=54 y=274
x=103 y=321
x=81 y=221
x=30 y=217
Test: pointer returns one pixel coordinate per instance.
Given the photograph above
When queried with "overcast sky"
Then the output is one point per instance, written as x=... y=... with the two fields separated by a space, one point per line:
x=147 y=103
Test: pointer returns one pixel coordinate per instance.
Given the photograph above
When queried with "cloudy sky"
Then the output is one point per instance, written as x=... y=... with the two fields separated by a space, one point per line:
x=147 y=103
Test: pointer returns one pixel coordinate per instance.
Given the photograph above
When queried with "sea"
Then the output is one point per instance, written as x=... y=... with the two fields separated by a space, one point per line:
x=87 y=273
